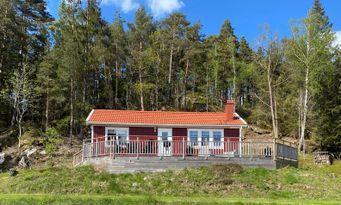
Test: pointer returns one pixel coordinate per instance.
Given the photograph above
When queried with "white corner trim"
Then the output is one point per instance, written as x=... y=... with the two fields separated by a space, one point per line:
x=241 y=118
x=92 y=134
x=87 y=119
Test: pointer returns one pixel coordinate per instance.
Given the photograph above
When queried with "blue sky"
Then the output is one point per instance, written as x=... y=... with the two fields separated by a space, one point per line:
x=247 y=16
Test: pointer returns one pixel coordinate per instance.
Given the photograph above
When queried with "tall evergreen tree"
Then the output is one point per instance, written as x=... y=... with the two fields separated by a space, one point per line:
x=139 y=38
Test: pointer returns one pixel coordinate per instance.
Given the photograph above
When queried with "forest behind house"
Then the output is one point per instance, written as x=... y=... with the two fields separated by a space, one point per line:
x=54 y=71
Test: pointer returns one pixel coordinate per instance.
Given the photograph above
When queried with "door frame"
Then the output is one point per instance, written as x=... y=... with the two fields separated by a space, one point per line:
x=162 y=151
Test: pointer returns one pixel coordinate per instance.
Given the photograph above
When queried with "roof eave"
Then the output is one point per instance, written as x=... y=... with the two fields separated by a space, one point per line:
x=164 y=125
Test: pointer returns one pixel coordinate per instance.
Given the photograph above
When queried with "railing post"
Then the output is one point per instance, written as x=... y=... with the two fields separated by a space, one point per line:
x=240 y=148
x=83 y=151
x=274 y=149
x=228 y=145
x=183 y=148
x=110 y=149
x=138 y=150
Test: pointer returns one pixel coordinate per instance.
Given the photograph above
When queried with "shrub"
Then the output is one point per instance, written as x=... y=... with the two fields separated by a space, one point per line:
x=52 y=141
x=32 y=136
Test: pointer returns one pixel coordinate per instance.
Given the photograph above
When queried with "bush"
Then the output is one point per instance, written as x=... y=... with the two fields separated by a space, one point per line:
x=32 y=136
x=53 y=141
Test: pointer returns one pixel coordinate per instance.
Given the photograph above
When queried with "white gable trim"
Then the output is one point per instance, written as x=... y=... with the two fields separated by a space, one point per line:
x=92 y=111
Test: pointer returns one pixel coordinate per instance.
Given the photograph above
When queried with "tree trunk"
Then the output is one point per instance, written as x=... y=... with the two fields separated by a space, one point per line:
x=305 y=101
x=271 y=99
x=141 y=91
x=305 y=111
x=19 y=138
x=276 y=116
x=157 y=84
x=110 y=86
x=207 y=88
x=140 y=80
x=116 y=83
x=234 y=82
x=47 y=110
x=185 y=86
x=170 y=71
x=71 y=109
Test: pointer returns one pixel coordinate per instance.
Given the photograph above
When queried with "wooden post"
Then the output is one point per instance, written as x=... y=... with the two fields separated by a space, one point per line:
x=274 y=149
x=138 y=150
x=110 y=149
x=83 y=151
x=183 y=148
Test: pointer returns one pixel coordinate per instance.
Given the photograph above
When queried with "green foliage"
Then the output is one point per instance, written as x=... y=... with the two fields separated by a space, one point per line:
x=31 y=137
x=53 y=141
x=80 y=62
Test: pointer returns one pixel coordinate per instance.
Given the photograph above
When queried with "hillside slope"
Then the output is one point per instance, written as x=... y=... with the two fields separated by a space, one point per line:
x=307 y=182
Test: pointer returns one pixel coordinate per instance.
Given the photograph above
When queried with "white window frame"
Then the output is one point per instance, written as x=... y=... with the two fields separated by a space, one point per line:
x=211 y=141
x=189 y=137
x=117 y=129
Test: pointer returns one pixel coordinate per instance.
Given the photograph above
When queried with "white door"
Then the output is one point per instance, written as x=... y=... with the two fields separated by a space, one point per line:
x=164 y=142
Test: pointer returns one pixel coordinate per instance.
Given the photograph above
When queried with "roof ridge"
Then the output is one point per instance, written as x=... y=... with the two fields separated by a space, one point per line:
x=160 y=111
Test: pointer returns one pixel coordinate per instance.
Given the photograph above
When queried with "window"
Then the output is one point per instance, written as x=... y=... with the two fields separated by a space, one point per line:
x=211 y=138
x=217 y=138
x=193 y=137
x=110 y=136
x=117 y=136
x=164 y=138
x=122 y=137
x=205 y=138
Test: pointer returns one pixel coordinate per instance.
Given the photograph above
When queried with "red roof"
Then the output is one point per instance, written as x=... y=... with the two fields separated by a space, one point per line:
x=161 y=118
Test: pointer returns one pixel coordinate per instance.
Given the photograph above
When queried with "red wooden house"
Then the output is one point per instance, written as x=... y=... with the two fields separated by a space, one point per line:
x=164 y=133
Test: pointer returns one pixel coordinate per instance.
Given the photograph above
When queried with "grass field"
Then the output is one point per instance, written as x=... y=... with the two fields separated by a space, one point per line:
x=220 y=184
x=24 y=199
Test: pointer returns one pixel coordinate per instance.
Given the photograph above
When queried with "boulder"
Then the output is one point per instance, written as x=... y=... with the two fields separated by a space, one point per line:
x=2 y=158
x=43 y=152
x=322 y=158
x=259 y=130
x=24 y=162
x=30 y=152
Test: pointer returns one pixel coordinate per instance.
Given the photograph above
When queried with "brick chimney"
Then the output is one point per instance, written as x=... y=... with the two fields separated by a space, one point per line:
x=229 y=110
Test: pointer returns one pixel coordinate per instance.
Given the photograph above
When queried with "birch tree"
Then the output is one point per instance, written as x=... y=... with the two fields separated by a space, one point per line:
x=269 y=59
x=309 y=53
x=21 y=94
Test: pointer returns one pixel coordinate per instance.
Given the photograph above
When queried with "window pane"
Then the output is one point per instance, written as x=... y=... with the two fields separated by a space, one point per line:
x=217 y=138
x=111 y=132
x=164 y=136
x=193 y=136
x=205 y=136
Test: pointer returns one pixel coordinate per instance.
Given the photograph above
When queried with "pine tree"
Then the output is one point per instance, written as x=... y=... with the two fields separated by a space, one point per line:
x=192 y=50
x=119 y=46
x=226 y=50
x=245 y=76
x=174 y=28
x=139 y=38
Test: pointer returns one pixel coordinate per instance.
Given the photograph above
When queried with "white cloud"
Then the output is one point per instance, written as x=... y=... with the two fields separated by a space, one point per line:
x=125 y=5
x=162 y=7
x=337 y=41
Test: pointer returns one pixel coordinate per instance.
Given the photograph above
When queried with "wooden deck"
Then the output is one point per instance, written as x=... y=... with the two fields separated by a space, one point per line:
x=152 y=155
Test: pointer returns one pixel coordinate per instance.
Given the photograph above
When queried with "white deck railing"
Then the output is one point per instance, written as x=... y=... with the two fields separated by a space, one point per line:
x=183 y=148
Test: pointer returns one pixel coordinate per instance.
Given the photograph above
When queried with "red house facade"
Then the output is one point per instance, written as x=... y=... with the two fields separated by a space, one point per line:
x=163 y=133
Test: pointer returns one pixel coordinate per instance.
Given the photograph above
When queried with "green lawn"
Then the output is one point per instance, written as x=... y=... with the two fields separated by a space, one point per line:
x=25 y=199
x=222 y=184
